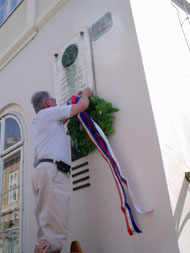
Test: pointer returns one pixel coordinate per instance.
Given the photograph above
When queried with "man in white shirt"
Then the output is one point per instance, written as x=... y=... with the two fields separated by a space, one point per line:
x=51 y=185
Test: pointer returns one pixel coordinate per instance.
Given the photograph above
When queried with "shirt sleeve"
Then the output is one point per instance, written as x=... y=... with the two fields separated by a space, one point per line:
x=58 y=112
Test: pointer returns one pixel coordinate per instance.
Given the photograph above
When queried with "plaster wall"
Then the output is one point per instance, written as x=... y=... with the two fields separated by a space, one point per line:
x=96 y=219
x=166 y=60
x=45 y=6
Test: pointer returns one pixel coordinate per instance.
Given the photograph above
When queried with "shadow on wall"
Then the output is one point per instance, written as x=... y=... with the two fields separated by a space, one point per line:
x=179 y=209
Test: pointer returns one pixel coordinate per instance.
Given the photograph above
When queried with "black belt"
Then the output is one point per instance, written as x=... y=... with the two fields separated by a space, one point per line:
x=63 y=167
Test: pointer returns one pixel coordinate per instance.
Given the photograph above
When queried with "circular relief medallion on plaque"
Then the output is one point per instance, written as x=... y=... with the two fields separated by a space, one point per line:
x=70 y=55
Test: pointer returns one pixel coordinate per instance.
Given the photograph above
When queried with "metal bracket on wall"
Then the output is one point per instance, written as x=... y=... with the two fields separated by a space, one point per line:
x=80 y=176
x=187 y=176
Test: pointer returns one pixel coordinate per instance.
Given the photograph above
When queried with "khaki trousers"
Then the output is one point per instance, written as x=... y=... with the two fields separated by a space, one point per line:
x=52 y=194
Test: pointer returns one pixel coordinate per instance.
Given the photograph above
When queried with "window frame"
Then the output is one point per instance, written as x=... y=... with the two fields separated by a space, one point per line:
x=11 y=12
x=2 y=135
x=13 y=187
x=183 y=4
x=6 y=154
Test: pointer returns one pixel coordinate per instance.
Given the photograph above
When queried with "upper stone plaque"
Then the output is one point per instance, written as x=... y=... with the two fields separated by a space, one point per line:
x=73 y=68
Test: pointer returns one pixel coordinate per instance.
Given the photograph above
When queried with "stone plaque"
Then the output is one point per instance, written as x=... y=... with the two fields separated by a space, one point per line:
x=73 y=69
x=101 y=26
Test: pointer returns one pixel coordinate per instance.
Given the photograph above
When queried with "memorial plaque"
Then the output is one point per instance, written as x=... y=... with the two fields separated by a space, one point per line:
x=73 y=68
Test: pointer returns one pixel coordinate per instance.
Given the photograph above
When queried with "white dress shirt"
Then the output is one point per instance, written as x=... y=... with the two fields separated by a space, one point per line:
x=48 y=134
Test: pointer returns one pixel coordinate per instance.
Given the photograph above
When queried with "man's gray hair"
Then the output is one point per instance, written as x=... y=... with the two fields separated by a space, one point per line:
x=38 y=100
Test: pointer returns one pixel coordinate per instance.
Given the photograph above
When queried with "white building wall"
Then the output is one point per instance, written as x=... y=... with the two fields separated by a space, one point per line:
x=96 y=219
x=166 y=60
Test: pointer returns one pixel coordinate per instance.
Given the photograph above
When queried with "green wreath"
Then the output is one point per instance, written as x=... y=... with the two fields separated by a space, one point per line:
x=102 y=114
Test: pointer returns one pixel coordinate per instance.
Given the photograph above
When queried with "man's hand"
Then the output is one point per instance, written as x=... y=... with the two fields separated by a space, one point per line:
x=87 y=92
x=42 y=247
x=83 y=103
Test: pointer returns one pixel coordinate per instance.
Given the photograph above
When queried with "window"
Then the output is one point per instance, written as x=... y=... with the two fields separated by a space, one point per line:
x=11 y=149
x=12 y=185
x=12 y=133
x=6 y=8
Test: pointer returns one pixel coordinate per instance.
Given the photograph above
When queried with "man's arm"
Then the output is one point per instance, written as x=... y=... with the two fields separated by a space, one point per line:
x=82 y=104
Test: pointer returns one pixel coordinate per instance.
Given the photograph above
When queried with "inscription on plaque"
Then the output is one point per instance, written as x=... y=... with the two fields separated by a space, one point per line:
x=73 y=69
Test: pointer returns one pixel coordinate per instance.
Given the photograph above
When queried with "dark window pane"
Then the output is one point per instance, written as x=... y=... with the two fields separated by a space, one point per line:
x=14 y=4
x=2 y=2
x=3 y=12
x=12 y=132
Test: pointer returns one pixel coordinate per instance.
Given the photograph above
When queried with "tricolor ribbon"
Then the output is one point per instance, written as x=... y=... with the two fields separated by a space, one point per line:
x=98 y=138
